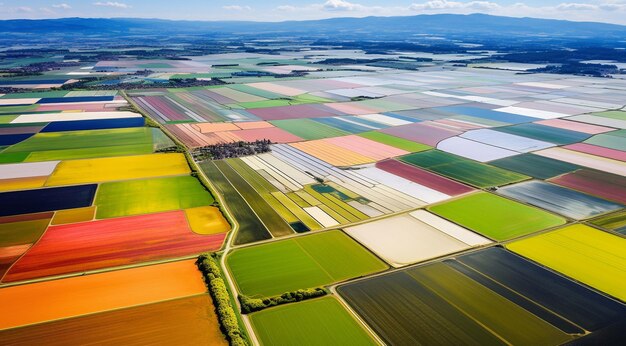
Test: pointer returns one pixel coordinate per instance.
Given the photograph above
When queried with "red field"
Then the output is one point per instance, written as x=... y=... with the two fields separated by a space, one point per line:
x=274 y=134
x=605 y=185
x=420 y=176
x=597 y=150
x=114 y=242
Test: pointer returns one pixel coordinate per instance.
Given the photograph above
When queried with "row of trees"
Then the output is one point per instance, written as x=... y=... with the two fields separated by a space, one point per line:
x=249 y=305
x=207 y=263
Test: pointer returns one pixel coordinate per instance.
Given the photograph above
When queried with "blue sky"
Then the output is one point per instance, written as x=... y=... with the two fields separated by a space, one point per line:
x=612 y=11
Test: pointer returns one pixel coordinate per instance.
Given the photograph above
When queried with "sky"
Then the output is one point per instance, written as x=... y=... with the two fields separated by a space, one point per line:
x=609 y=11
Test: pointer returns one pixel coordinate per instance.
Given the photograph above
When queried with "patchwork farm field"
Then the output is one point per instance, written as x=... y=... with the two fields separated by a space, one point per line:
x=425 y=199
x=303 y=262
x=429 y=296
x=321 y=321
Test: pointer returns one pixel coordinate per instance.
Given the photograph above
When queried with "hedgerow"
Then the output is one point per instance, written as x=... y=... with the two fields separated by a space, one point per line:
x=249 y=305
x=221 y=299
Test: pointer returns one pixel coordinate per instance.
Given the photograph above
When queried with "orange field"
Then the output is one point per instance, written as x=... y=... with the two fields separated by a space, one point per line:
x=184 y=321
x=56 y=299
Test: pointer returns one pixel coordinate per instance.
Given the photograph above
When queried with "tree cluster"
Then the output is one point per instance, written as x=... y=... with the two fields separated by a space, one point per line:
x=91 y=83
x=38 y=68
x=249 y=305
x=232 y=150
x=207 y=263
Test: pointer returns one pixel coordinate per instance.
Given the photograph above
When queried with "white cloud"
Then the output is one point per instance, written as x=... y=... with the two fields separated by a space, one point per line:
x=572 y=6
x=62 y=6
x=438 y=5
x=237 y=8
x=612 y=7
x=340 y=5
x=112 y=4
x=286 y=8
x=24 y=9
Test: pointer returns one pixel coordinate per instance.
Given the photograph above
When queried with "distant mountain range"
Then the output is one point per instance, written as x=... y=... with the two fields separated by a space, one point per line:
x=438 y=24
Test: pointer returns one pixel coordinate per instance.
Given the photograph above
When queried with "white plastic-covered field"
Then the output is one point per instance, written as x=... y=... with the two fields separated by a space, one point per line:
x=71 y=116
x=414 y=237
x=506 y=140
x=321 y=216
x=601 y=121
x=585 y=160
x=27 y=170
x=473 y=150
x=535 y=113
x=384 y=119
x=18 y=101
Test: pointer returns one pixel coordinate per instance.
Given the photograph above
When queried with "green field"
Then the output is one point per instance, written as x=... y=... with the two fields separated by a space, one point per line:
x=5 y=119
x=615 y=222
x=320 y=321
x=161 y=140
x=496 y=217
x=22 y=232
x=265 y=104
x=268 y=215
x=308 y=129
x=18 y=109
x=303 y=262
x=85 y=144
x=35 y=94
x=394 y=141
x=620 y=115
x=535 y=166
x=613 y=140
x=155 y=65
x=467 y=171
x=250 y=227
x=135 y=197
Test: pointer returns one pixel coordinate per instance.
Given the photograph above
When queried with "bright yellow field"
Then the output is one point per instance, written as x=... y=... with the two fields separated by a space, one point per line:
x=118 y=168
x=207 y=220
x=586 y=254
